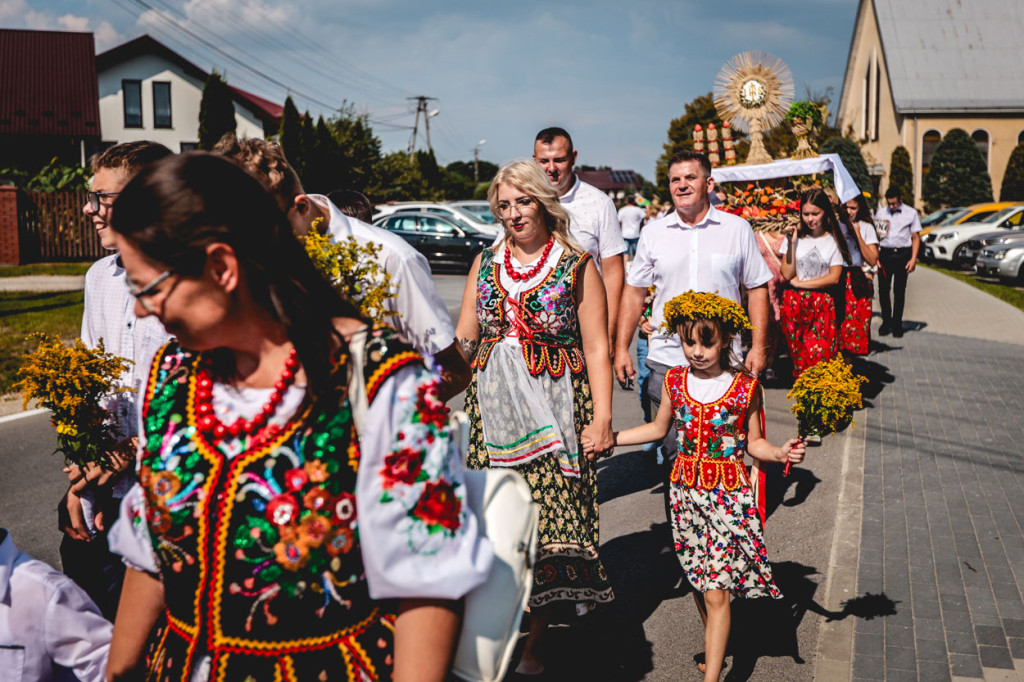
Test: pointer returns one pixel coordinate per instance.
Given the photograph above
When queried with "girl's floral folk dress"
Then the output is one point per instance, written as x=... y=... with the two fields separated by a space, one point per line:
x=528 y=401
x=717 y=530
x=283 y=558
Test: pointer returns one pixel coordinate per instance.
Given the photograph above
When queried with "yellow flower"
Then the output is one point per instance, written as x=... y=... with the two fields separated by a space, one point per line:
x=697 y=304
x=824 y=396
x=65 y=429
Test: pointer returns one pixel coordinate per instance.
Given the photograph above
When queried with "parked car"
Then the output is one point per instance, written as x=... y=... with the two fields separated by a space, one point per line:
x=481 y=209
x=939 y=216
x=974 y=213
x=949 y=243
x=456 y=214
x=443 y=242
x=1005 y=261
x=976 y=244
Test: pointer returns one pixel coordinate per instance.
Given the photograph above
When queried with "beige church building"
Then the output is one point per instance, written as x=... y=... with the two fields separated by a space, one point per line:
x=919 y=68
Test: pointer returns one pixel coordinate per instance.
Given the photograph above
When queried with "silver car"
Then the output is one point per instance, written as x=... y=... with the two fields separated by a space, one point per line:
x=1005 y=261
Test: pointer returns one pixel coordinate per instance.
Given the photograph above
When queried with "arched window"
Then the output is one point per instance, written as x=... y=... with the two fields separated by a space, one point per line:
x=929 y=143
x=980 y=138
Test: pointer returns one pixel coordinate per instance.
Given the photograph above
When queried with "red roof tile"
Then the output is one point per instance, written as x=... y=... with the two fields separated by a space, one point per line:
x=48 y=84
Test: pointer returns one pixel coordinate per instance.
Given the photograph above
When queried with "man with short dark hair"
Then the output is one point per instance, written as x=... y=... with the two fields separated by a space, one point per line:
x=631 y=217
x=352 y=203
x=109 y=315
x=899 y=239
x=699 y=248
x=593 y=222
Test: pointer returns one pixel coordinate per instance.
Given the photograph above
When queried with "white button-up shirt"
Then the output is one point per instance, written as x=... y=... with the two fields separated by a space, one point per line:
x=895 y=228
x=630 y=218
x=423 y=317
x=718 y=254
x=49 y=628
x=593 y=222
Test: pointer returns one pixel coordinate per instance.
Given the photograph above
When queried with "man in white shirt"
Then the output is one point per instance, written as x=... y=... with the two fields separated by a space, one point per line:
x=422 y=317
x=593 y=221
x=91 y=504
x=631 y=217
x=699 y=248
x=899 y=229
x=49 y=628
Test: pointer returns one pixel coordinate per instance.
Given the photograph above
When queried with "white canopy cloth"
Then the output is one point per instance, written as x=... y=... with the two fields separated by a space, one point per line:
x=846 y=188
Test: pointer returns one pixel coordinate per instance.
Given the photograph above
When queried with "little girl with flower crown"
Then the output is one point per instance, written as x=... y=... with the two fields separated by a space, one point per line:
x=716 y=407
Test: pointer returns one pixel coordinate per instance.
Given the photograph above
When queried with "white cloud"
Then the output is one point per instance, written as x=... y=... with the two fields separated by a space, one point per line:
x=17 y=14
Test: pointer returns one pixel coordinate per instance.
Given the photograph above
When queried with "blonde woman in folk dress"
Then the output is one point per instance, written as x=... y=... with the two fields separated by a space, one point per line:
x=534 y=323
x=716 y=405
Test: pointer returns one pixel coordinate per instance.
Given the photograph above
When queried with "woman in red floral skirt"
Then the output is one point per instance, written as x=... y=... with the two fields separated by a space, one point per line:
x=814 y=256
x=862 y=243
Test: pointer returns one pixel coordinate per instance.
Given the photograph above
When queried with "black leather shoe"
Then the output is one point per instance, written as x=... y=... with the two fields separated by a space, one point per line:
x=897 y=333
x=884 y=330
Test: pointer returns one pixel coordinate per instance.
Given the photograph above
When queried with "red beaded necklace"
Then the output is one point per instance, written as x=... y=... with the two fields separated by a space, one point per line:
x=529 y=274
x=258 y=428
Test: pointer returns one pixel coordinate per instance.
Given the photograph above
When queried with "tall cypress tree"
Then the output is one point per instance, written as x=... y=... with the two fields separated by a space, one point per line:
x=290 y=134
x=901 y=174
x=1013 y=180
x=216 y=111
x=958 y=175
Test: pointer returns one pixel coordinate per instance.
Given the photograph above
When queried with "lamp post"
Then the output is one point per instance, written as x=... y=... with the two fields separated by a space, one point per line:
x=476 y=160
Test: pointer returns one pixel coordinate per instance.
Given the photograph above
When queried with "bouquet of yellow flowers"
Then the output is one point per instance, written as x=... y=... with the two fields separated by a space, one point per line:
x=824 y=397
x=71 y=382
x=354 y=271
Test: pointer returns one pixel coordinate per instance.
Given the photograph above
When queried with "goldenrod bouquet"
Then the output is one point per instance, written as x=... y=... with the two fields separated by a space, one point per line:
x=71 y=382
x=824 y=397
x=353 y=269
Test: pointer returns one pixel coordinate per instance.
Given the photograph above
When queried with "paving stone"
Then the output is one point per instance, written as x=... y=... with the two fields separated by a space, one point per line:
x=961 y=643
x=964 y=665
x=1013 y=627
x=903 y=658
x=1016 y=646
x=869 y=667
x=990 y=636
x=931 y=650
x=929 y=628
x=933 y=671
x=996 y=657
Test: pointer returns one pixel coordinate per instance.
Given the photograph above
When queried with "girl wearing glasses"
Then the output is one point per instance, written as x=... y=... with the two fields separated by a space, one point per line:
x=267 y=536
x=534 y=324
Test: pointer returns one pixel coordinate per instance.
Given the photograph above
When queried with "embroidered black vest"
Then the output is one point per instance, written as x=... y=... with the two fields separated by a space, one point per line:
x=260 y=553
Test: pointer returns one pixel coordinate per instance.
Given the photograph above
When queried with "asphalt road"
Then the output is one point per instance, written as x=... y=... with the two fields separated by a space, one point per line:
x=651 y=631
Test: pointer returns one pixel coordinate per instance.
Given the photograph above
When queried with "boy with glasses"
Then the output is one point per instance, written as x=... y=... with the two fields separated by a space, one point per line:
x=92 y=500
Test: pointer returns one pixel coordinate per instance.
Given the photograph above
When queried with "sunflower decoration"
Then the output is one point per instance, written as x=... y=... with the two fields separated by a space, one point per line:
x=700 y=304
x=753 y=91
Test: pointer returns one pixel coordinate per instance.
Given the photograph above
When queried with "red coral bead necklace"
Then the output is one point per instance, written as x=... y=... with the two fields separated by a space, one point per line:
x=214 y=429
x=529 y=274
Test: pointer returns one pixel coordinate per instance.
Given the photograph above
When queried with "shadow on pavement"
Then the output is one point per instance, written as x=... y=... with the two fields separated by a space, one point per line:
x=802 y=481
x=626 y=473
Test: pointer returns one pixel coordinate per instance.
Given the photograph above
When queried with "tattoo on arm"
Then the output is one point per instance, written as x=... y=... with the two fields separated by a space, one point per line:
x=469 y=346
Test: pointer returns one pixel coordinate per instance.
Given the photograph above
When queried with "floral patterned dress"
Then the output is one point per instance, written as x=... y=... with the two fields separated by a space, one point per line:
x=717 y=530
x=528 y=401
x=282 y=560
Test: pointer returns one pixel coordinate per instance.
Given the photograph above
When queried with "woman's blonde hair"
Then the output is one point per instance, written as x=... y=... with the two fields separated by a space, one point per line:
x=529 y=178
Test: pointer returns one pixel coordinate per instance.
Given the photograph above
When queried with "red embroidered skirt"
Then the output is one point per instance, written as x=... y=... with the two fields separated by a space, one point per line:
x=809 y=323
x=855 y=328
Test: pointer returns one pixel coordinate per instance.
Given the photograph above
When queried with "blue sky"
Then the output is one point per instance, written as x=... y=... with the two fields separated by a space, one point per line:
x=613 y=73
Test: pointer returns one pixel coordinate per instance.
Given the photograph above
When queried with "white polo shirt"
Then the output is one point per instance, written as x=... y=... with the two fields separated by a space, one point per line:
x=593 y=222
x=895 y=227
x=719 y=254
x=630 y=218
x=423 y=317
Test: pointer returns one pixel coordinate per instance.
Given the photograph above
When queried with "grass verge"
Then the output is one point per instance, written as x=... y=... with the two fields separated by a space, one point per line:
x=1012 y=296
x=25 y=312
x=44 y=269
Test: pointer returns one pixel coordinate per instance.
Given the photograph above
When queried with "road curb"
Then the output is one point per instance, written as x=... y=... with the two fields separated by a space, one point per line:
x=834 y=655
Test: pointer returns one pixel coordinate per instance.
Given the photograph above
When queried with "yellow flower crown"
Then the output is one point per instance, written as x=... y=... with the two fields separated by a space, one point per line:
x=697 y=304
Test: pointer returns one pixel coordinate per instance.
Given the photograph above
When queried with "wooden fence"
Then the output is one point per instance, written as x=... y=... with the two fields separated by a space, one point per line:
x=52 y=228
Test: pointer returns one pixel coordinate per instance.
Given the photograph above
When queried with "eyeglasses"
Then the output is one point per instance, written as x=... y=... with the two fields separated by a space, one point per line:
x=143 y=294
x=523 y=204
x=94 y=198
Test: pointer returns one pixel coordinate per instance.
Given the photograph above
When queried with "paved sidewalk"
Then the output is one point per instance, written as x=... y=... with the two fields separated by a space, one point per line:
x=43 y=283
x=941 y=547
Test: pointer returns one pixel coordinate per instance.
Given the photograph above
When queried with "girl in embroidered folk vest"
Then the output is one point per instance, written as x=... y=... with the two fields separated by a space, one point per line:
x=814 y=254
x=534 y=323
x=717 y=409
x=268 y=538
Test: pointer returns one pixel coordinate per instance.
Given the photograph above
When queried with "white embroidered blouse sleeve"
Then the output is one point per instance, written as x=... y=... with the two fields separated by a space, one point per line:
x=418 y=536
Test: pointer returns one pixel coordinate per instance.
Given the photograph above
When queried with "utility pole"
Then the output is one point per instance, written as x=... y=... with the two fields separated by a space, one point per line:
x=476 y=160
x=421 y=106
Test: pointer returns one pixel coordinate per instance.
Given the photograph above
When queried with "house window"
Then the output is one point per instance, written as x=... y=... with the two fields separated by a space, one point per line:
x=189 y=147
x=980 y=138
x=161 y=104
x=132 y=95
x=877 y=94
x=929 y=143
x=866 y=108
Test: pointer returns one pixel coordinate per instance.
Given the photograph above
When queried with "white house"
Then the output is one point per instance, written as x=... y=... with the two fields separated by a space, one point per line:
x=149 y=92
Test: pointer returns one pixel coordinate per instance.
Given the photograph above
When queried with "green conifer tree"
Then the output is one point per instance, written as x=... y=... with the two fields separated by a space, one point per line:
x=216 y=111
x=901 y=174
x=1013 y=180
x=290 y=133
x=957 y=175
